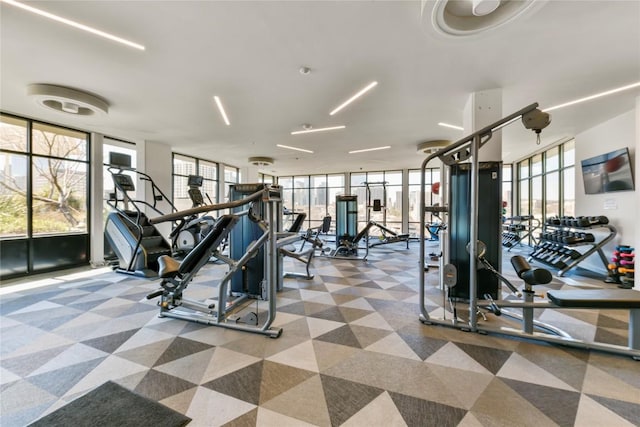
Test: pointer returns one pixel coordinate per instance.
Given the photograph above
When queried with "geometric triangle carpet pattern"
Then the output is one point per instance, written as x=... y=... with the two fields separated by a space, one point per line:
x=352 y=353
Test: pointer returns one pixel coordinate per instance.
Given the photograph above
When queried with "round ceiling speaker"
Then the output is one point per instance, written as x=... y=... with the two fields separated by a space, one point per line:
x=68 y=100
x=461 y=18
x=261 y=161
x=430 y=147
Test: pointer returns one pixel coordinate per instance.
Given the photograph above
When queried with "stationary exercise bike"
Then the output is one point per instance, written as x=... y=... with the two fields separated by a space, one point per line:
x=190 y=230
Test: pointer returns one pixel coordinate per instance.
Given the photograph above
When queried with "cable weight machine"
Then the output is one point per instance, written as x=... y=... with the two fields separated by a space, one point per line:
x=462 y=158
x=466 y=150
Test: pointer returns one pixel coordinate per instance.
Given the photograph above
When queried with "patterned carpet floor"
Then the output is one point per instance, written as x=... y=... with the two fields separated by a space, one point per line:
x=352 y=353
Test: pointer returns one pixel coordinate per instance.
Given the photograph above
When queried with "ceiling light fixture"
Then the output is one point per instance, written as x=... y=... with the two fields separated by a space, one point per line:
x=68 y=100
x=298 y=132
x=261 y=161
x=73 y=24
x=370 y=149
x=430 y=147
x=294 y=148
x=447 y=125
x=353 y=98
x=221 y=109
x=597 y=95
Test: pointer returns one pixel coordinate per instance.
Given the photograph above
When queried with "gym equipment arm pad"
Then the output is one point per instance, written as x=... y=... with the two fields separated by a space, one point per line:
x=538 y=276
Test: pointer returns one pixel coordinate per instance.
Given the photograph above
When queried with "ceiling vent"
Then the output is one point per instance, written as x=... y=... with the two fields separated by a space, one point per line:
x=462 y=18
x=261 y=161
x=67 y=100
x=430 y=147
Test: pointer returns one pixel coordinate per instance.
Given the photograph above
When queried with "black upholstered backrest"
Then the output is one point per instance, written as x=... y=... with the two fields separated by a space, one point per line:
x=221 y=229
x=297 y=223
x=326 y=224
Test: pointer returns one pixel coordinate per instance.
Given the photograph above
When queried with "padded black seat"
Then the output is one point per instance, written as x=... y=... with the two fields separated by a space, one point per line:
x=596 y=298
x=170 y=268
x=297 y=223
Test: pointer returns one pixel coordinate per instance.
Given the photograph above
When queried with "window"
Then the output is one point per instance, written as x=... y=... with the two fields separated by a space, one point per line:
x=13 y=182
x=266 y=179
x=59 y=170
x=313 y=194
x=114 y=146
x=432 y=175
x=183 y=166
x=568 y=186
x=44 y=189
x=546 y=183
x=231 y=176
x=385 y=186
x=507 y=190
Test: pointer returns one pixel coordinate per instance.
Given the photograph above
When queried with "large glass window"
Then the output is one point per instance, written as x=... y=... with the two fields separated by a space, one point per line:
x=385 y=187
x=13 y=182
x=60 y=180
x=524 y=206
x=546 y=182
x=231 y=176
x=568 y=186
x=432 y=176
x=44 y=189
x=314 y=195
x=183 y=166
x=507 y=190
x=120 y=147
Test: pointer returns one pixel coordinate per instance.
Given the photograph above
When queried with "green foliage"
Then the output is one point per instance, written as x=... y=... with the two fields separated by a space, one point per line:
x=13 y=214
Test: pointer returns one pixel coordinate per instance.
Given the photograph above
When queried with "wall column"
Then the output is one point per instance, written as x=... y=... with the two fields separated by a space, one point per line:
x=482 y=109
x=157 y=162
x=96 y=203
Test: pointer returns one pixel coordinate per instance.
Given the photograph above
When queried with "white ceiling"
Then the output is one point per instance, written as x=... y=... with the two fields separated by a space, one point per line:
x=249 y=54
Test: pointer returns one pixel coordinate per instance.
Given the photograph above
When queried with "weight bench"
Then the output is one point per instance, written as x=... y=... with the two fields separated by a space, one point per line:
x=303 y=255
x=622 y=299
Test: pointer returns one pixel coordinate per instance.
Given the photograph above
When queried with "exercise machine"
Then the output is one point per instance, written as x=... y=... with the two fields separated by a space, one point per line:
x=305 y=256
x=136 y=242
x=234 y=306
x=347 y=236
x=386 y=235
x=466 y=150
x=189 y=231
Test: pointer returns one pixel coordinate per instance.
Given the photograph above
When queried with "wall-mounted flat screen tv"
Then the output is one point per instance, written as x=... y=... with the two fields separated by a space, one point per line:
x=120 y=160
x=608 y=172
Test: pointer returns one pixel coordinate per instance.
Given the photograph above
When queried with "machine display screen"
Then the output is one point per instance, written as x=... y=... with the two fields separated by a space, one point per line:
x=124 y=182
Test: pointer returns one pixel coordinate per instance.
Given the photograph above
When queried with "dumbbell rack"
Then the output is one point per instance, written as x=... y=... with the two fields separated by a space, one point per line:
x=518 y=228
x=562 y=254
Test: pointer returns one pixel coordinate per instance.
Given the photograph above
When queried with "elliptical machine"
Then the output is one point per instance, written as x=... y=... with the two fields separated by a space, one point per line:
x=190 y=230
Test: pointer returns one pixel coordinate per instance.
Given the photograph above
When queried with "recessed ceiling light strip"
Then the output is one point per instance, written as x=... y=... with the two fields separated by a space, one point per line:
x=370 y=149
x=221 y=109
x=447 y=125
x=298 y=132
x=294 y=148
x=597 y=95
x=73 y=24
x=353 y=98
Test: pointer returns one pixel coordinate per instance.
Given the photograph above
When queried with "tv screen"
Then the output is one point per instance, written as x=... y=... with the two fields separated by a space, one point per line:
x=194 y=181
x=120 y=160
x=608 y=172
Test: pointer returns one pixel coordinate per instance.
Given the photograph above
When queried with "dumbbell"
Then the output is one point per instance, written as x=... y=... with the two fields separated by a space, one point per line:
x=540 y=248
x=598 y=220
x=544 y=246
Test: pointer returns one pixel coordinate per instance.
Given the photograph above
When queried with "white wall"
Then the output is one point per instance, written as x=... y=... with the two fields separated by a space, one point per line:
x=158 y=165
x=620 y=207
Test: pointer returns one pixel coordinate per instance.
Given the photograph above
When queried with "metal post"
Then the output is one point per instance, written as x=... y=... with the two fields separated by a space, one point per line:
x=272 y=258
x=473 y=236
